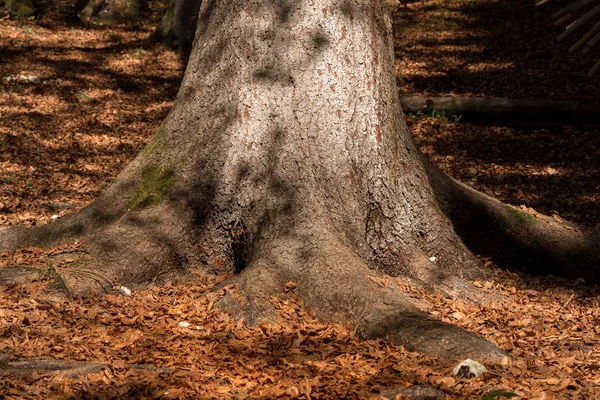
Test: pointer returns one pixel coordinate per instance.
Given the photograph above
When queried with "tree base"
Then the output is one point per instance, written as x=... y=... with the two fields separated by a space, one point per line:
x=333 y=282
x=286 y=159
x=328 y=275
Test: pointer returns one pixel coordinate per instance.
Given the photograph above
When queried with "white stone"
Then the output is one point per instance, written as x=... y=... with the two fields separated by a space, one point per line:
x=183 y=324
x=125 y=291
x=469 y=369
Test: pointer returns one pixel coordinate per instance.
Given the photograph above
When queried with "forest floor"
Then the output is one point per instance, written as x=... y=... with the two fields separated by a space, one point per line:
x=99 y=96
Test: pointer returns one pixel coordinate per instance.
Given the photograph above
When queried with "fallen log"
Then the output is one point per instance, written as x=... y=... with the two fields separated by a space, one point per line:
x=586 y=38
x=506 y=111
x=580 y=22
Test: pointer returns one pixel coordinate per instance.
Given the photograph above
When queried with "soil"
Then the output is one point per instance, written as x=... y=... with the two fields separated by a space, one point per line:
x=103 y=93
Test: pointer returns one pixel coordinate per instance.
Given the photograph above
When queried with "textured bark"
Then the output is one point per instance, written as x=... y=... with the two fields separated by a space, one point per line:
x=285 y=158
x=108 y=12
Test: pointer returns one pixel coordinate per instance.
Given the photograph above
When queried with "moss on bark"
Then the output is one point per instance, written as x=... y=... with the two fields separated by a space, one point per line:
x=157 y=141
x=519 y=218
x=153 y=188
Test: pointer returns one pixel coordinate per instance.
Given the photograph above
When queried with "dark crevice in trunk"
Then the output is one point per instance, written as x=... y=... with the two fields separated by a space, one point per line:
x=239 y=247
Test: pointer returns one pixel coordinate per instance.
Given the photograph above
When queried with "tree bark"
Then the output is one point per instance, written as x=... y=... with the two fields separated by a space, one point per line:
x=285 y=158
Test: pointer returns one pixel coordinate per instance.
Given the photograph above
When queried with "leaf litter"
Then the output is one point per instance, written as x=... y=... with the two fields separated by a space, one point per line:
x=170 y=342
x=65 y=138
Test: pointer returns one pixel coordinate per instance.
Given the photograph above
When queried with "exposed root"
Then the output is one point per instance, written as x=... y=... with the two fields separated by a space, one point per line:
x=330 y=278
x=68 y=229
x=416 y=332
x=18 y=275
x=514 y=237
x=337 y=285
x=64 y=369
x=105 y=211
x=58 y=368
x=250 y=302
x=85 y=278
x=151 y=245
x=431 y=277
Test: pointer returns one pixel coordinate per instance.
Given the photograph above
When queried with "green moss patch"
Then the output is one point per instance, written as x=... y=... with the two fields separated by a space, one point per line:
x=153 y=188
x=521 y=218
x=158 y=140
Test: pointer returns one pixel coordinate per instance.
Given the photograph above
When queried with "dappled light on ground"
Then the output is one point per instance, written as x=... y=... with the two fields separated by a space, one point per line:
x=488 y=48
x=101 y=95
x=171 y=339
x=502 y=49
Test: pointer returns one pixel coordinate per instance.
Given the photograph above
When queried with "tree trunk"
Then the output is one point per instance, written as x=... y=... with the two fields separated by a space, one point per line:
x=285 y=158
x=109 y=12
x=178 y=25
